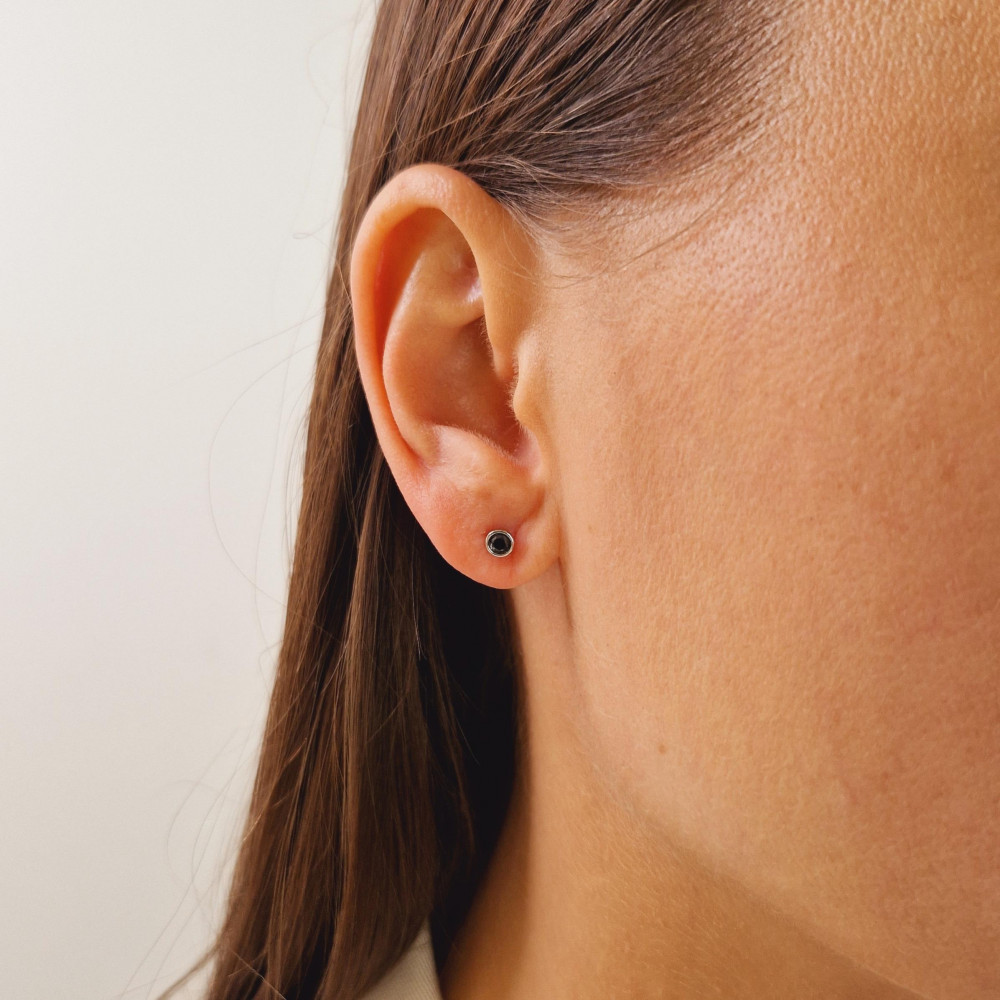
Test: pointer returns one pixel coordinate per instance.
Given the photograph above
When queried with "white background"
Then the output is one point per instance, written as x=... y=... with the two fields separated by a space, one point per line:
x=169 y=174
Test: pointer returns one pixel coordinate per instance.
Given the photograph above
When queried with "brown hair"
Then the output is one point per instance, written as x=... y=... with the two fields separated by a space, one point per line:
x=392 y=735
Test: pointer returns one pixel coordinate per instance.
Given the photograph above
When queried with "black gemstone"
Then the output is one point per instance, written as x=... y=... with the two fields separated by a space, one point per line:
x=498 y=543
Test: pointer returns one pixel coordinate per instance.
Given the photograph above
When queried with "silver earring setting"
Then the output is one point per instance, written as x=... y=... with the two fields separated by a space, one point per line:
x=499 y=543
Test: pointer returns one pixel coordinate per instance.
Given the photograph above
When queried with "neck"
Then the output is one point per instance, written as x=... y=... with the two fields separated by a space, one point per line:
x=585 y=899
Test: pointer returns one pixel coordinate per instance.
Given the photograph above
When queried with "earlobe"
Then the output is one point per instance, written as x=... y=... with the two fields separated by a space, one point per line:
x=441 y=298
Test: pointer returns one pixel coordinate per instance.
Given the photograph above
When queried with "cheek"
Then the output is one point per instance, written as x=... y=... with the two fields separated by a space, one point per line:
x=783 y=558
x=814 y=537
x=781 y=488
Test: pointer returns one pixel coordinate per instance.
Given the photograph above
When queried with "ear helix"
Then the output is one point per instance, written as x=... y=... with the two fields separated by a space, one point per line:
x=499 y=543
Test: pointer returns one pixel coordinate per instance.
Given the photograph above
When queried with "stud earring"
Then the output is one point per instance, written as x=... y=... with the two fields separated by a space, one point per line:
x=499 y=543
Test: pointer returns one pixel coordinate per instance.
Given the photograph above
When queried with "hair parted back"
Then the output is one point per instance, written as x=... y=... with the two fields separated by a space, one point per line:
x=392 y=734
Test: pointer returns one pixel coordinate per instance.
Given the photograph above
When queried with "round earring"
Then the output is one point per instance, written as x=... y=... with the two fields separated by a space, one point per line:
x=499 y=543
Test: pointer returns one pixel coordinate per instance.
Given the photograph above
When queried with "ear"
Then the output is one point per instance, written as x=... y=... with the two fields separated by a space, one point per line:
x=442 y=289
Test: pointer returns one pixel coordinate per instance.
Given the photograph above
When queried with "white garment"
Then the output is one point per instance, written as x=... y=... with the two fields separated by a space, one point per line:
x=414 y=976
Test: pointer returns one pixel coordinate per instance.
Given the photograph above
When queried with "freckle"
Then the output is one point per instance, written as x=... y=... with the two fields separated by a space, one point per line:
x=662 y=748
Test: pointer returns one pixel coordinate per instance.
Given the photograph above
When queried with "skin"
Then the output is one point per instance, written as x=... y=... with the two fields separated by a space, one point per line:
x=753 y=476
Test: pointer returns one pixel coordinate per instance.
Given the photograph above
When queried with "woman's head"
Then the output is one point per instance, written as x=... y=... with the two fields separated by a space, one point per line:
x=699 y=301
